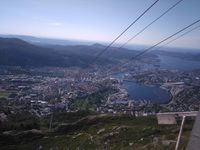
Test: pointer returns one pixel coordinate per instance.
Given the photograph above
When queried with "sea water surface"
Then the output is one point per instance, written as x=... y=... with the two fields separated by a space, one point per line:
x=175 y=63
x=139 y=91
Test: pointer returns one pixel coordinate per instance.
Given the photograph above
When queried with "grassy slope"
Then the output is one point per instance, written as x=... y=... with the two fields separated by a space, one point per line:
x=110 y=132
x=3 y=94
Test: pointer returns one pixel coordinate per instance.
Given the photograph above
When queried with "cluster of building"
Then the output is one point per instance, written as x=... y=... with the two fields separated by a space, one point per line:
x=54 y=89
x=45 y=91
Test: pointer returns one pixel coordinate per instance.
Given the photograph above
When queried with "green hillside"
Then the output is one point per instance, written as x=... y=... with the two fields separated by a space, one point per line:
x=72 y=131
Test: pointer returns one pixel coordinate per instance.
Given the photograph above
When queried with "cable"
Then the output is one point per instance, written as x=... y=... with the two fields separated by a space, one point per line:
x=100 y=53
x=150 y=48
x=178 y=37
x=151 y=23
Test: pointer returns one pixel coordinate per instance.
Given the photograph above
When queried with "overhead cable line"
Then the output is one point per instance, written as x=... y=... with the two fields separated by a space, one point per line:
x=151 y=23
x=106 y=48
x=178 y=37
x=169 y=37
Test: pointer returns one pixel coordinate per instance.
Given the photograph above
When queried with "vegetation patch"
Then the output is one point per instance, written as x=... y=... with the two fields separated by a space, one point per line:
x=88 y=130
x=4 y=94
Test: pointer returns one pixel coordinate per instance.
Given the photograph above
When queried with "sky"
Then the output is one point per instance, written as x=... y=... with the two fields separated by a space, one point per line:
x=99 y=20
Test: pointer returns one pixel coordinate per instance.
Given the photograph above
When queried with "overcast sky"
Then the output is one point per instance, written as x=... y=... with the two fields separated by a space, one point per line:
x=99 y=20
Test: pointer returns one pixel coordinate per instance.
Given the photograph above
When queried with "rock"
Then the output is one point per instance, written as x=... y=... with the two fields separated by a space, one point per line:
x=79 y=134
x=100 y=131
x=130 y=144
x=168 y=142
x=3 y=117
x=121 y=128
x=40 y=147
x=155 y=140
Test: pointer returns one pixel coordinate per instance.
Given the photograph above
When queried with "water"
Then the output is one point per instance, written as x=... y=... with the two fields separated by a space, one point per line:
x=139 y=91
x=175 y=63
x=155 y=94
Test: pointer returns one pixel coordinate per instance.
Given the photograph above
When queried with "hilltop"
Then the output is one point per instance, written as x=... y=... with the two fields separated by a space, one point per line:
x=17 y=52
x=87 y=130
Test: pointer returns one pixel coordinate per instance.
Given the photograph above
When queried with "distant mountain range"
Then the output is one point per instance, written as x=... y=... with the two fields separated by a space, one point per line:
x=46 y=41
x=16 y=52
x=43 y=41
x=25 y=51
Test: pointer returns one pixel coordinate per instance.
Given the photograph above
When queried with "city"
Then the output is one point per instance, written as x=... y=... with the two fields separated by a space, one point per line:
x=99 y=75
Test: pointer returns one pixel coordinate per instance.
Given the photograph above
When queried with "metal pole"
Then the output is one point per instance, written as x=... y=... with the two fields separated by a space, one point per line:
x=50 y=124
x=180 y=132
